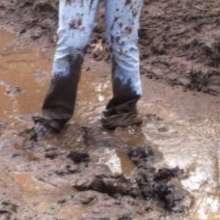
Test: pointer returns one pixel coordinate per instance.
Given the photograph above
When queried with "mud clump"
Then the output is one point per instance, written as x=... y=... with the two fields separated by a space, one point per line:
x=78 y=157
x=161 y=187
x=111 y=185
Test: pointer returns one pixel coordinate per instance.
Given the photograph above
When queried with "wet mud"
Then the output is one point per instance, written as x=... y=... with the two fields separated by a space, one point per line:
x=179 y=40
x=45 y=179
x=166 y=169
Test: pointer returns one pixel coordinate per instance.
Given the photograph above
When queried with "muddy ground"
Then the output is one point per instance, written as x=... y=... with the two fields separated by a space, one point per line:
x=166 y=169
x=179 y=39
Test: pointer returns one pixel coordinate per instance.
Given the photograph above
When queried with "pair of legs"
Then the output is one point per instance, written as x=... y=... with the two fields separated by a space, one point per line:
x=76 y=23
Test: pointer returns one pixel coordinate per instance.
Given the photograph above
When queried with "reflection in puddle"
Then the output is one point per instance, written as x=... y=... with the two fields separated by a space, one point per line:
x=117 y=161
x=208 y=208
x=112 y=161
x=126 y=164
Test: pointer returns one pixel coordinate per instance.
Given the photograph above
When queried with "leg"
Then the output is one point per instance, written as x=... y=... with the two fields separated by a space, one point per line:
x=76 y=22
x=122 y=23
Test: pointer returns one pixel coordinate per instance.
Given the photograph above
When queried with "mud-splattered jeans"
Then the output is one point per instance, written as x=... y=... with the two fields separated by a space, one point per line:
x=76 y=23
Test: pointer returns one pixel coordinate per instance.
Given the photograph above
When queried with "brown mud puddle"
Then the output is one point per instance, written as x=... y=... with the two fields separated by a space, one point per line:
x=24 y=74
x=38 y=181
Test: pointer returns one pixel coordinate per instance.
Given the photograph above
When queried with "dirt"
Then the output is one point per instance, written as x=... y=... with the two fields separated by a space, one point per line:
x=86 y=179
x=166 y=169
x=38 y=19
x=179 y=40
x=83 y=173
x=180 y=43
x=78 y=157
x=161 y=187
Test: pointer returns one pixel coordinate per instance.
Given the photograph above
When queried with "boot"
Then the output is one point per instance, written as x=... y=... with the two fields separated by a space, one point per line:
x=122 y=115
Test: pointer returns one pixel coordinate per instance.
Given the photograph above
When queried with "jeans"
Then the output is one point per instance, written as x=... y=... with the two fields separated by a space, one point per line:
x=76 y=23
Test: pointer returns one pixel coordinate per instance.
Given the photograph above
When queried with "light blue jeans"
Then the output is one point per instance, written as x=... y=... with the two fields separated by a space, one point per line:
x=77 y=19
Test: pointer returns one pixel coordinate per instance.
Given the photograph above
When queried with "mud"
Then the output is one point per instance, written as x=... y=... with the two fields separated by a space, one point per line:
x=179 y=40
x=161 y=187
x=54 y=178
x=170 y=164
x=78 y=157
x=38 y=18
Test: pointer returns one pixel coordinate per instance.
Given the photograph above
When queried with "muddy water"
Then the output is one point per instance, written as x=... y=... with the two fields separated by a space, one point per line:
x=184 y=127
x=22 y=81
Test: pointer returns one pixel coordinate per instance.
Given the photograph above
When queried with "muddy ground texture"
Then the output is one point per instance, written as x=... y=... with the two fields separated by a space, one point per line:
x=89 y=182
x=179 y=39
x=87 y=173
